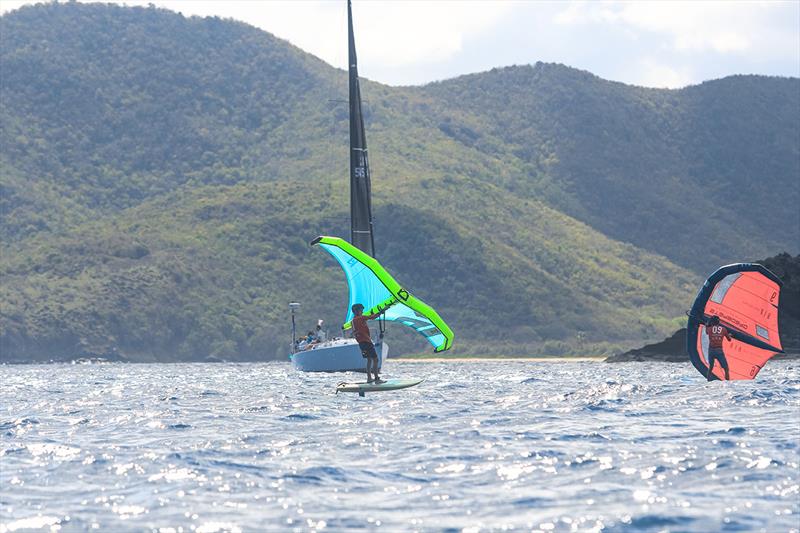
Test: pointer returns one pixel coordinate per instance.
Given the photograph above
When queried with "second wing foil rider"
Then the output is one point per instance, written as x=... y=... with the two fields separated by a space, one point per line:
x=362 y=336
x=716 y=334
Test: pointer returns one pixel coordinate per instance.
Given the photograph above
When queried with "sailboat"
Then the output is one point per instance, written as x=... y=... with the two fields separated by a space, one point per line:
x=341 y=354
x=369 y=284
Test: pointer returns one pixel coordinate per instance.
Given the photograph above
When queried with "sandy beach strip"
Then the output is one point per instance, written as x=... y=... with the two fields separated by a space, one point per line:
x=582 y=359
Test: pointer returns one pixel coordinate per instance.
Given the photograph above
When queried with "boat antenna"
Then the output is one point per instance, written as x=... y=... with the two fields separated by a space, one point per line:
x=292 y=307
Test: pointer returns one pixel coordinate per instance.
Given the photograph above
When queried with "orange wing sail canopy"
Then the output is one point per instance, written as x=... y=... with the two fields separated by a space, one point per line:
x=745 y=297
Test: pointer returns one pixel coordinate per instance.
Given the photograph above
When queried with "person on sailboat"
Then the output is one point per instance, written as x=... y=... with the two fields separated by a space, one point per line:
x=362 y=336
x=716 y=334
x=306 y=342
x=319 y=333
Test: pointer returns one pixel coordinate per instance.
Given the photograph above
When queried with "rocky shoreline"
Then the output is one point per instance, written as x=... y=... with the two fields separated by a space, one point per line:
x=673 y=349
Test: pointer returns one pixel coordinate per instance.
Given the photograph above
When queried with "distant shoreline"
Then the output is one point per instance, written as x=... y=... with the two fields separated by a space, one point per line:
x=479 y=359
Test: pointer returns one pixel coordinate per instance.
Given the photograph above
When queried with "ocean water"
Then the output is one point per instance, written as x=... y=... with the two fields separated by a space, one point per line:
x=478 y=446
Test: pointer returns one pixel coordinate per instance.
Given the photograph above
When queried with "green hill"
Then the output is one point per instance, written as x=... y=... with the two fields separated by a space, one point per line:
x=161 y=177
x=651 y=167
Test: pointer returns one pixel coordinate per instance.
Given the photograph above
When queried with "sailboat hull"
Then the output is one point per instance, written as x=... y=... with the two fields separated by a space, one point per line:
x=338 y=355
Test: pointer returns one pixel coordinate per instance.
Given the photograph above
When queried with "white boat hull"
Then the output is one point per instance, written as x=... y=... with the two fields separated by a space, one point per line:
x=338 y=355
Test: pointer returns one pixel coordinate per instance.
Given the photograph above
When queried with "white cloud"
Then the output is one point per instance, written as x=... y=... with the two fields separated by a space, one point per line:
x=10 y=5
x=722 y=42
x=688 y=26
x=403 y=33
x=654 y=74
x=389 y=33
x=654 y=43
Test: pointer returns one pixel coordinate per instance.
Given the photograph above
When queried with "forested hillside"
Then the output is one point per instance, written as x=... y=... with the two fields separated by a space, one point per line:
x=652 y=167
x=161 y=176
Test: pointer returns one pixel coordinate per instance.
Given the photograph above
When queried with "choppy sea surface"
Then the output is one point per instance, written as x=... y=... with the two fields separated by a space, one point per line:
x=478 y=446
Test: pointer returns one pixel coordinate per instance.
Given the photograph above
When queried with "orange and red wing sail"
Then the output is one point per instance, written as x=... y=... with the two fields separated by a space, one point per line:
x=745 y=297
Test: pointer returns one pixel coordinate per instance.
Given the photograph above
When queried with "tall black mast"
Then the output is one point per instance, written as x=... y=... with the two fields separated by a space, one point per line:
x=360 y=191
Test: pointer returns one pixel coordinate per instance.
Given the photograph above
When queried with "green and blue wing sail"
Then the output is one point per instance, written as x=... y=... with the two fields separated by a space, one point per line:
x=370 y=285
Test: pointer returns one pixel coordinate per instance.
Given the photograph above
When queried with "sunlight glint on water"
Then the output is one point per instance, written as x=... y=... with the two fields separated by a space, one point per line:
x=477 y=446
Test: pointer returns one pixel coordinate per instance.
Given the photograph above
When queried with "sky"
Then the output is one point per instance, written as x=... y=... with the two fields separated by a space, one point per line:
x=411 y=42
